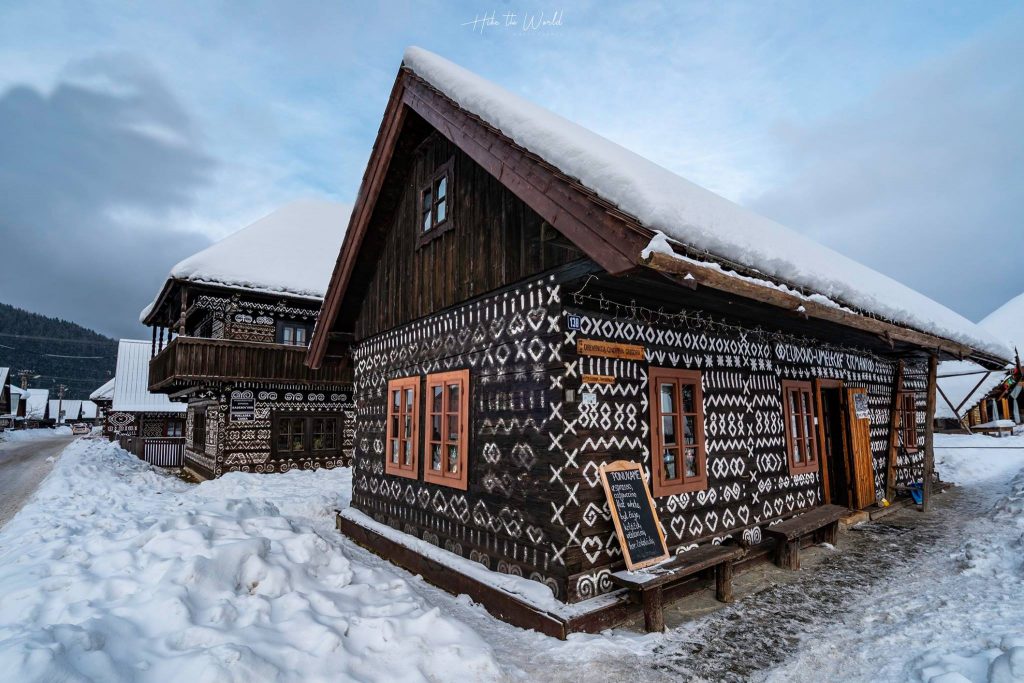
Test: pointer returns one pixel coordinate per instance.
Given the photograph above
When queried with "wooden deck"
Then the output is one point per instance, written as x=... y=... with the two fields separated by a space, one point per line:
x=192 y=360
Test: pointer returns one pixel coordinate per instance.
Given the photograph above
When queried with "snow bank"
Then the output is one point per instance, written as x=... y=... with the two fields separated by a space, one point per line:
x=115 y=571
x=22 y=435
x=970 y=459
x=691 y=215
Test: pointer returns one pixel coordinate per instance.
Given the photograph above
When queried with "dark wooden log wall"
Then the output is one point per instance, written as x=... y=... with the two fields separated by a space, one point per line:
x=246 y=446
x=496 y=240
x=509 y=517
x=909 y=466
x=749 y=483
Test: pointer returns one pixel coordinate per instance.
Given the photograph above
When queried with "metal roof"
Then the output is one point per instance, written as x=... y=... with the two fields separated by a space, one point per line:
x=131 y=382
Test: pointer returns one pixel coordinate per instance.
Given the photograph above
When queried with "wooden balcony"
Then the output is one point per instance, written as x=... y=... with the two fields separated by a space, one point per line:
x=188 y=361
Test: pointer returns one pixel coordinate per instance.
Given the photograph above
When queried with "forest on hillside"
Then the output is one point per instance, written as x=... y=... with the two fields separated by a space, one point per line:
x=56 y=351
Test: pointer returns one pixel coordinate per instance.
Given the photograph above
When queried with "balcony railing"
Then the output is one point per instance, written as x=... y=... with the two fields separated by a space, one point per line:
x=189 y=361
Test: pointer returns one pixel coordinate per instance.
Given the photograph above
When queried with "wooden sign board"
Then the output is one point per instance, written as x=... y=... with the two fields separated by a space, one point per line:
x=242 y=409
x=607 y=349
x=633 y=512
x=598 y=379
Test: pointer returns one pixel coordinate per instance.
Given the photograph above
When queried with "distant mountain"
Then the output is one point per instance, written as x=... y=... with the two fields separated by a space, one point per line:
x=60 y=352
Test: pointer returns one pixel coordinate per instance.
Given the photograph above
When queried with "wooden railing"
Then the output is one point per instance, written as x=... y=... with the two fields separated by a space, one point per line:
x=163 y=451
x=191 y=360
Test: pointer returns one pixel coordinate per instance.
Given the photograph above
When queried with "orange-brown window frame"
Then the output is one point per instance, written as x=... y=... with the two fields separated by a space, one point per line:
x=444 y=413
x=908 y=420
x=663 y=484
x=409 y=443
x=801 y=432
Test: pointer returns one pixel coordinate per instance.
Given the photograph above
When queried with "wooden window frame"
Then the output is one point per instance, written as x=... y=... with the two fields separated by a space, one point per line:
x=307 y=451
x=812 y=460
x=280 y=328
x=442 y=477
x=660 y=486
x=437 y=228
x=400 y=469
x=199 y=416
x=908 y=429
x=180 y=425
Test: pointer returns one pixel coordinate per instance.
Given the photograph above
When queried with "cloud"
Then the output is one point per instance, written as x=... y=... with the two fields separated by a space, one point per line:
x=924 y=180
x=92 y=178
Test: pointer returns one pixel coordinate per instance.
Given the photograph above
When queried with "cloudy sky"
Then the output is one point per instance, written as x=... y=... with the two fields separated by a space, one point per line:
x=132 y=134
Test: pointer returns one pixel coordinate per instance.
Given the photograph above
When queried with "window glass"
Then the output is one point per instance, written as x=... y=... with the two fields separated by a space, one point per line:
x=677 y=431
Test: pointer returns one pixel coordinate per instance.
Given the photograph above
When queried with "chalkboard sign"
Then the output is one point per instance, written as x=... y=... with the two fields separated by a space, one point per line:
x=636 y=522
x=242 y=407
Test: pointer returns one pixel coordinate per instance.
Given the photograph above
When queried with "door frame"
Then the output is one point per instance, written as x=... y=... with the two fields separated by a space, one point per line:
x=823 y=457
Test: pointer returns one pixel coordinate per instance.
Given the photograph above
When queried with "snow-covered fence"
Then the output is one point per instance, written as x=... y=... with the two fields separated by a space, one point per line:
x=162 y=451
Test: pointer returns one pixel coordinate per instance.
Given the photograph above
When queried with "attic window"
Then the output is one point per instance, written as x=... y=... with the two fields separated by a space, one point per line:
x=434 y=208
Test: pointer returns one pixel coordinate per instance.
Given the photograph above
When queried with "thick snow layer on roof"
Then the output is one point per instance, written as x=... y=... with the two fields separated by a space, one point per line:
x=105 y=392
x=1007 y=322
x=35 y=405
x=291 y=251
x=958 y=387
x=131 y=382
x=72 y=409
x=690 y=214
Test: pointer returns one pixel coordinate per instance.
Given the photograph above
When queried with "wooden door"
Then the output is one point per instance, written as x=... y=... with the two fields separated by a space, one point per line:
x=861 y=463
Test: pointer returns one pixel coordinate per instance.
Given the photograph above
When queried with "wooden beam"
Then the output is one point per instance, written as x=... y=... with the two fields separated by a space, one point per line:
x=929 y=433
x=961 y=421
x=895 y=423
x=710 y=277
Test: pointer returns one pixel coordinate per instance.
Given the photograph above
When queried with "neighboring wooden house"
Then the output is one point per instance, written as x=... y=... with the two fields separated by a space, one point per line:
x=103 y=397
x=524 y=301
x=36 y=408
x=241 y=314
x=146 y=423
x=8 y=402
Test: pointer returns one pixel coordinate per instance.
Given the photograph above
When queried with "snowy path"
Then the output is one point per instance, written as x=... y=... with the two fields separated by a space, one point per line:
x=23 y=464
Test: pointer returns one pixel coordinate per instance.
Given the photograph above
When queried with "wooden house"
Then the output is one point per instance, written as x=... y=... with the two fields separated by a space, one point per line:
x=524 y=301
x=230 y=329
x=103 y=397
x=145 y=423
x=8 y=400
x=36 y=408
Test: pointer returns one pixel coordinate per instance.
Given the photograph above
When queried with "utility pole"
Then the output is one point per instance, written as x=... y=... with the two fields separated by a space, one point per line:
x=61 y=388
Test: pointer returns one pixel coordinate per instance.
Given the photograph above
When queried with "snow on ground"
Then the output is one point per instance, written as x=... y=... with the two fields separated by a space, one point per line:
x=115 y=571
x=958 y=616
x=22 y=435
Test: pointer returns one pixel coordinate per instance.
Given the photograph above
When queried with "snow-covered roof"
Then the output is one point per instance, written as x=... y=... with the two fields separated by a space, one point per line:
x=4 y=374
x=957 y=387
x=1007 y=322
x=105 y=392
x=72 y=408
x=131 y=382
x=691 y=215
x=89 y=410
x=35 y=404
x=290 y=251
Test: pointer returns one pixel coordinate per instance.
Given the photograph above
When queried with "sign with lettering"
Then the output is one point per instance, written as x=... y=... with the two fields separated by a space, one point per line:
x=860 y=406
x=573 y=322
x=633 y=512
x=242 y=407
x=607 y=349
x=598 y=379
x=588 y=398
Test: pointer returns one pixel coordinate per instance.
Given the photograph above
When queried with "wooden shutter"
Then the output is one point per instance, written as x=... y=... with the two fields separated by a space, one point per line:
x=863 y=484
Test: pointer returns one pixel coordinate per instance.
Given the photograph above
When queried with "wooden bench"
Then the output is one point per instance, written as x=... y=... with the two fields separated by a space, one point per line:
x=788 y=534
x=651 y=582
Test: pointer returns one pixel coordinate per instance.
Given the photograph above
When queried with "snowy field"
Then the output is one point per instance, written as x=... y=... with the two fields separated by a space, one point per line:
x=116 y=571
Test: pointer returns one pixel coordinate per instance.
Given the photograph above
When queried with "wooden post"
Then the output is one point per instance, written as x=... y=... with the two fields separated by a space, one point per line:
x=895 y=422
x=654 y=610
x=184 y=310
x=152 y=348
x=929 y=434
x=788 y=554
x=723 y=582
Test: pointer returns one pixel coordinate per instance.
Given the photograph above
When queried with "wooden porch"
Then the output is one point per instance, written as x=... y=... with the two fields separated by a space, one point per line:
x=191 y=360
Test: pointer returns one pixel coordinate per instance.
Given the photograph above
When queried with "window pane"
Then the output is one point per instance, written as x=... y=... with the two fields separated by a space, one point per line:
x=689 y=429
x=436 y=399
x=453 y=428
x=298 y=443
x=668 y=429
x=798 y=453
x=687 y=400
x=691 y=462
x=408 y=453
x=667 y=398
x=396 y=400
x=394 y=426
x=794 y=432
x=427 y=200
x=435 y=456
x=407 y=432
x=442 y=187
x=300 y=336
x=287 y=335
x=442 y=211
x=453 y=398
x=435 y=428
x=283 y=438
x=453 y=459
x=394 y=451
x=408 y=400
x=668 y=459
x=331 y=435
x=426 y=220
